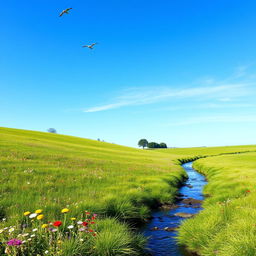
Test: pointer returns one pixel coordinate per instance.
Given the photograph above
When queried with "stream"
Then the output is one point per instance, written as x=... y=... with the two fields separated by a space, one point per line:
x=161 y=229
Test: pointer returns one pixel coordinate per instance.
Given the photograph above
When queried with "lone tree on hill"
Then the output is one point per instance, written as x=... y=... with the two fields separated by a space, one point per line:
x=143 y=143
x=52 y=130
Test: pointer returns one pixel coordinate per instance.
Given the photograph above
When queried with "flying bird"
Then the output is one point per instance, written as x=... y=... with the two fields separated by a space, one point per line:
x=90 y=46
x=65 y=11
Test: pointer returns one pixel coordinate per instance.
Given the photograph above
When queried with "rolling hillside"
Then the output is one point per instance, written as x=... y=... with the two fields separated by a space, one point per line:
x=54 y=172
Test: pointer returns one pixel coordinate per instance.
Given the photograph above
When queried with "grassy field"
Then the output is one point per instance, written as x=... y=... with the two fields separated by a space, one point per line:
x=120 y=184
x=227 y=225
x=52 y=172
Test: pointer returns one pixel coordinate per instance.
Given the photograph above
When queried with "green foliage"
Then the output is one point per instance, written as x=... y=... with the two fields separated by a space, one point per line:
x=163 y=145
x=52 y=130
x=226 y=226
x=156 y=145
x=153 y=145
x=143 y=143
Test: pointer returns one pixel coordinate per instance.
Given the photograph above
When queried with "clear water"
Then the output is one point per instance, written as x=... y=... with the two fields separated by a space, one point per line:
x=162 y=242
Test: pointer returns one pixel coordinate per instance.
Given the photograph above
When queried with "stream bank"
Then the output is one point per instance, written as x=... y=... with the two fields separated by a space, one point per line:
x=161 y=230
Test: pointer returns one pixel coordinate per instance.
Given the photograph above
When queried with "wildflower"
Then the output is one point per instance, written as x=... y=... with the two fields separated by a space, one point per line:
x=29 y=239
x=14 y=242
x=11 y=230
x=7 y=250
x=87 y=213
x=85 y=223
x=46 y=252
x=32 y=215
x=79 y=222
x=26 y=234
x=35 y=229
x=81 y=229
x=44 y=225
x=92 y=222
x=1 y=231
x=39 y=211
x=33 y=235
x=57 y=223
x=54 y=230
x=40 y=217
x=90 y=230
x=26 y=213
x=70 y=227
x=248 y=191
x=73 y=218
x=81 y=239
x=4 y=219
x=65 y=210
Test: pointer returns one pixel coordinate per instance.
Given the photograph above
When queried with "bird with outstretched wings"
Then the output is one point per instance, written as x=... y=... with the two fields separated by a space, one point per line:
x=66 y=11
x=90 y=46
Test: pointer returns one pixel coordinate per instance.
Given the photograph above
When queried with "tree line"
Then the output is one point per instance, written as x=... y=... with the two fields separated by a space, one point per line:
x=144 y=143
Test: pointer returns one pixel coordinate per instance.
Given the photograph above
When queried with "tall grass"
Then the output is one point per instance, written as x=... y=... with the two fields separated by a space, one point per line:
x=227 y=225
x=51 y=172
x=120 y=184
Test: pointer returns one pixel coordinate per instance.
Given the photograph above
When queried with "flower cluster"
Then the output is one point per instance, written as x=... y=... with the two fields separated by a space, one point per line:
x=38 y=237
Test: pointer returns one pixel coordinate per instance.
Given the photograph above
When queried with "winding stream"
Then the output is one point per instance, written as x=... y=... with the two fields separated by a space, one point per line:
x=160 y=230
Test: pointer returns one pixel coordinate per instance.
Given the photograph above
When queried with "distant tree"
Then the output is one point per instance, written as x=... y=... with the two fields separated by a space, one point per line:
x=98 y=139
x=52 y=130
x=143 y=143
x=163 y=145
x=153 y=145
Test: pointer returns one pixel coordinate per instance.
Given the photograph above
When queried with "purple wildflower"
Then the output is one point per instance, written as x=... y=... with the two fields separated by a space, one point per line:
x=14 y=242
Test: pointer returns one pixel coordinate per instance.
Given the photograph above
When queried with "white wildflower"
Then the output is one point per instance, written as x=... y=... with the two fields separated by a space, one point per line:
x=32 y=215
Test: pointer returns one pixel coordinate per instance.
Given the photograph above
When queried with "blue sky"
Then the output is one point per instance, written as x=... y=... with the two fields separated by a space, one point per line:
x=182 y=72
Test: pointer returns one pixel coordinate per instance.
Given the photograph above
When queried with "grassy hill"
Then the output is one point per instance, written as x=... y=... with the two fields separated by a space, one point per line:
x=227 y=226
x=53 y=172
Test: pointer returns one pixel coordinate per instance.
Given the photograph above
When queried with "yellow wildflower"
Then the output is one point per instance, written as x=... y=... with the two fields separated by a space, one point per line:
x=40 y=217
x=44 y=226
x=39 y=211
x=65 y=210
x=26 y=213
x=73 y=218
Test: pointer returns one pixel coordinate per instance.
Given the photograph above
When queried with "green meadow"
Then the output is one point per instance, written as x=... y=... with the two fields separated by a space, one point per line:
x=121 y=185
x=227 y=225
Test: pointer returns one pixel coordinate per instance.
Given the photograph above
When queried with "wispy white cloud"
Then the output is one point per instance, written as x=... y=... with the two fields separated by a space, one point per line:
x=149 y=95
x=215 y=119
x=241 y=83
